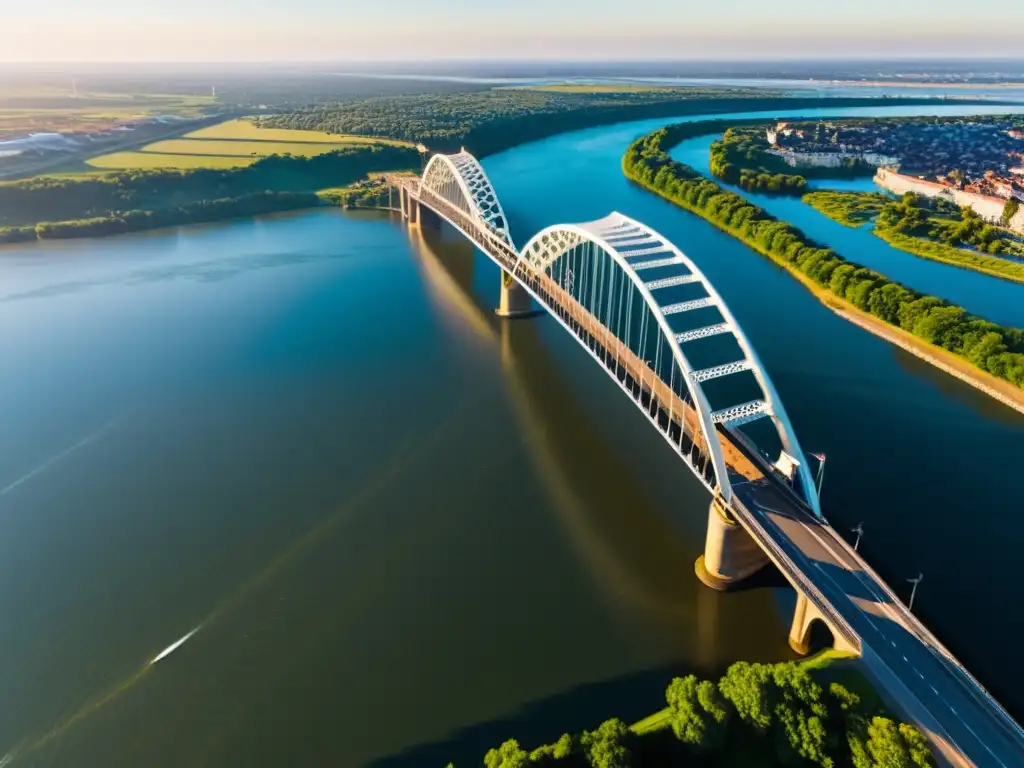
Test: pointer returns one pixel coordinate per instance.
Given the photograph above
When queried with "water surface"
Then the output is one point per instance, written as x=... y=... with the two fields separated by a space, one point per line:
x=405 y=530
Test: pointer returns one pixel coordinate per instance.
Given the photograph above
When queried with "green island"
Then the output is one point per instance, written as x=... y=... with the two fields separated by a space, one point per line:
x=741 y=157
x=819 y=712
x=930 y=228
x=975 y=346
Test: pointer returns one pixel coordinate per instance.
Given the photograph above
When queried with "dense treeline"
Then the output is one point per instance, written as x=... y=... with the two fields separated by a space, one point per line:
x=756 y=716
x=138 y=220
x=736 y=159
x=990 y=347
x=489 y=121
x=30 y=202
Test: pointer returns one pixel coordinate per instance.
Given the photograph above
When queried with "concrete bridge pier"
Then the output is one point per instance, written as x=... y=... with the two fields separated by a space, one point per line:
x=410 y=207
x=730 y=554
x=515 y=301
x=804 y=615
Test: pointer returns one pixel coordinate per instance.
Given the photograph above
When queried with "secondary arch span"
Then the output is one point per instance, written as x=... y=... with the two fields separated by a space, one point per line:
x=461 y=181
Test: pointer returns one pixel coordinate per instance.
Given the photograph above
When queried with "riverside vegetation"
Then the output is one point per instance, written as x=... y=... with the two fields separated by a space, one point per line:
x=985 y=345
x=485 y=122
x=930 y=228
x=90 y=206
x=813 y=713
x=366 y=135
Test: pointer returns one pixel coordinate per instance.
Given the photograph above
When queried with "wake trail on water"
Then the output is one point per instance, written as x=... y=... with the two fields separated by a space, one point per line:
x=90 y=438
x=168 y=650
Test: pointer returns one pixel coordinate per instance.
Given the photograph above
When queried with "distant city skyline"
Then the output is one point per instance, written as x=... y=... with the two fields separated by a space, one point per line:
x=319 y=30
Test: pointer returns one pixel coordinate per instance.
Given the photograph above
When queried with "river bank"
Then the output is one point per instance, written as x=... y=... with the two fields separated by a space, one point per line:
x=822 y=710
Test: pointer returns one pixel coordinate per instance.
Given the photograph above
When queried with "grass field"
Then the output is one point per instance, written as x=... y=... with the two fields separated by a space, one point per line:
x=123 y=161
x=231 y=144
x=242 y=130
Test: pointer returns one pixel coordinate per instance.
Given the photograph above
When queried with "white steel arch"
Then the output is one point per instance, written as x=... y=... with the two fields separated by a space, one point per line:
x=461 y=180
x=634 y=247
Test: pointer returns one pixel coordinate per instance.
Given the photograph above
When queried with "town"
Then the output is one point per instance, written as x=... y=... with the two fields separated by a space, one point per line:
x=976 y=155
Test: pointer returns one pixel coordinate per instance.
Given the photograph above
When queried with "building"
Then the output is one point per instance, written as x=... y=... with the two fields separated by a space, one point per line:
x=988 y=207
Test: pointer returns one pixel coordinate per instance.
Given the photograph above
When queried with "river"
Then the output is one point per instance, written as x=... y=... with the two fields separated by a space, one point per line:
x=403 y=530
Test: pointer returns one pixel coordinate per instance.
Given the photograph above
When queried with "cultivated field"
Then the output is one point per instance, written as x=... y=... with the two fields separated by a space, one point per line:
x=40 y=110
x=147 y=161
x=231 y=144
x=240 y=130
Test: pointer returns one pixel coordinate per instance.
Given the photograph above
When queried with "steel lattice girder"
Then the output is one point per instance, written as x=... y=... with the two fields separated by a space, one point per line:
x=476 y=197
x=737 y=415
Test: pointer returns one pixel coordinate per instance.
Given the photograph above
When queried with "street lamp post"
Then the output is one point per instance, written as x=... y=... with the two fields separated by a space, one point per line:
x=913 y=591
x=859 y=530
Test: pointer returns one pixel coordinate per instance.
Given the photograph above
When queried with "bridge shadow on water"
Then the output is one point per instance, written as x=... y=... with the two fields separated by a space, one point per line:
x=630 y=697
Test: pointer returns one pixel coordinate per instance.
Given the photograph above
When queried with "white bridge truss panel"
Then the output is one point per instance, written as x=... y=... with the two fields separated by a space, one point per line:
x=655 y=263
x=707 y=374
x=630 y=242
x=686 y=306
x=738 y=415
x=460 y=180
x=702 y=333
x=647 y=251
x=668 y=282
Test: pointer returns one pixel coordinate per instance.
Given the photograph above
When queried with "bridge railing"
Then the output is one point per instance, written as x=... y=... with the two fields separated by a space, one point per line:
x=918 y=628
x=796 y=576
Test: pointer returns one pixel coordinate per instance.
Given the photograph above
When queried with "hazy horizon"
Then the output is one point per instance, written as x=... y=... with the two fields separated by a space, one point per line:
x=315 y=31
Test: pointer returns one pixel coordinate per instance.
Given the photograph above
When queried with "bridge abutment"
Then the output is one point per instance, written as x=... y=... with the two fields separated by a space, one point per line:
x=805 y=614
x=515 y=301
x=730 y=554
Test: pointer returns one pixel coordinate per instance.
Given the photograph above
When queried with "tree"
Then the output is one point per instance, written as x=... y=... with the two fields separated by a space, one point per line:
x=508 y=755
x=606 y=746
x=699 y=712
x=747 y=686
x=886 y=746
x=1010 y=210
x=550 y=753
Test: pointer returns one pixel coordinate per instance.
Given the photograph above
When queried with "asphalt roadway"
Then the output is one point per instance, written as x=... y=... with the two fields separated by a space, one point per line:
x=960 y=717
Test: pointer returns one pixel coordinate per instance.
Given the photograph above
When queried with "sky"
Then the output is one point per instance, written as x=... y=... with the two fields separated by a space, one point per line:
x=593 y=30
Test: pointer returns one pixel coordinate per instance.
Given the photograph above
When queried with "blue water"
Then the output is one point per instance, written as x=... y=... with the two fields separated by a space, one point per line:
x=405 y=530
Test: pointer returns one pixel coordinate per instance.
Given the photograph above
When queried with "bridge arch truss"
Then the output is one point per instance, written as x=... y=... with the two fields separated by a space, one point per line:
x=602 y=267
x=610 y=283
x=460 y=180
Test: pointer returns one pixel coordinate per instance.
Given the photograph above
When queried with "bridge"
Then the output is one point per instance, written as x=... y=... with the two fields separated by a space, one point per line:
x=648 y=316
